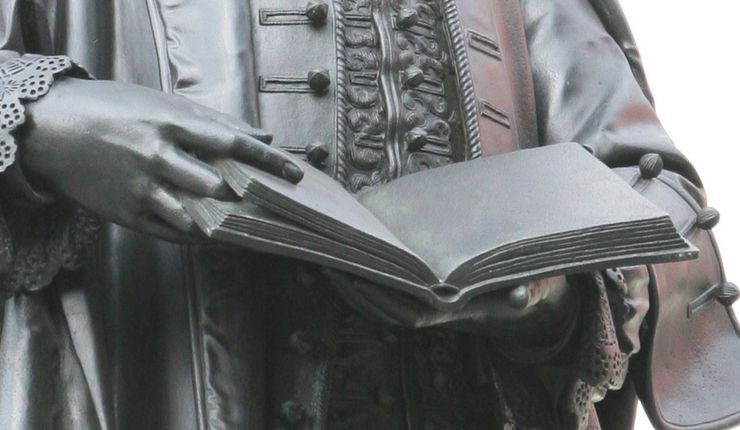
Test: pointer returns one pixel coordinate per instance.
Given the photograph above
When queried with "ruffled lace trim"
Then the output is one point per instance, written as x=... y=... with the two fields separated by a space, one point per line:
x=57 y=245
x=25 y=78
x=45 y=241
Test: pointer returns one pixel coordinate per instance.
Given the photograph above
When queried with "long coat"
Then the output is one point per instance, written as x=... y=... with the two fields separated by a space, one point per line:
x=154 y=335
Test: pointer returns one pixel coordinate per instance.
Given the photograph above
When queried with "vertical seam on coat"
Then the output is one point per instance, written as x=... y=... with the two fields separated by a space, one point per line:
x=157 y=23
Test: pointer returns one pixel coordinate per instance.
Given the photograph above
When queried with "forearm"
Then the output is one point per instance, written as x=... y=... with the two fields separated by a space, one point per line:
x=587 y=92
x=24 y=80
x=40 y=235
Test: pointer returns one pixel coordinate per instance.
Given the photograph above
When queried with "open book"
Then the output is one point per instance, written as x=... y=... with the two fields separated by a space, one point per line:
x=452 y=232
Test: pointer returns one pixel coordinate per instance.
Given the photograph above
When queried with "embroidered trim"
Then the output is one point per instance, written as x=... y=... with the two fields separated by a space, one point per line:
x=25 y=78
x=602 y=365
x=469 y=102
x=58 y=243
x=428 y=119
x=396 y=100
x=361 y=123
x=59 y=234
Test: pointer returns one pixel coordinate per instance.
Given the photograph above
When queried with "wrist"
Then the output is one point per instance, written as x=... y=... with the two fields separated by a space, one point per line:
x=23 y=81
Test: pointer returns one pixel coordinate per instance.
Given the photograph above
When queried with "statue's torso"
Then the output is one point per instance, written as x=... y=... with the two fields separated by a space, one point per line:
x=403 y=86
x=370 y=92
x=180 y=337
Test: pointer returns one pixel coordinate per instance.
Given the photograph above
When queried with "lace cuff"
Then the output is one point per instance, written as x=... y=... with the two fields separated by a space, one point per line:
x=24 y=78
x=42 y=240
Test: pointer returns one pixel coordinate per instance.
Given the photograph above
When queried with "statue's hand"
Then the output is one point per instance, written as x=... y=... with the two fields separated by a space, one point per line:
x=128 y=153
x=552 y=302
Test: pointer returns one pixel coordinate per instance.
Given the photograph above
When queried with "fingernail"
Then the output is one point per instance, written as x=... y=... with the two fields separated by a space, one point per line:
x=292 y=172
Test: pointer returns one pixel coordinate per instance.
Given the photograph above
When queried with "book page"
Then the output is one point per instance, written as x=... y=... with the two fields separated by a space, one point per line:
x=454 y=214
x=321 y=203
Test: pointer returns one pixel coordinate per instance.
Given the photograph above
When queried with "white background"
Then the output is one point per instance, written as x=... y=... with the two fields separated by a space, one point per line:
x=691 y=51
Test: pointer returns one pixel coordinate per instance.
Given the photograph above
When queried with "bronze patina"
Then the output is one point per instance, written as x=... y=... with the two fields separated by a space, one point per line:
x=117 y=314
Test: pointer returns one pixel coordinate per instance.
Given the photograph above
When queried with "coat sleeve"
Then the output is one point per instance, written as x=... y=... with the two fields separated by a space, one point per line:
x=29 y=27
x=11 y=45
x=25 y=28
x=39 y=234
x=587 y=92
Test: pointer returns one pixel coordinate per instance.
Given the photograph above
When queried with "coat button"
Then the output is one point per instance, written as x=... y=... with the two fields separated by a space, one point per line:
x=650 y=166
x=319 y=80
x=707 y=218
x=407 y=17
x=317 y=11
x=727 y=294
x=416 y=139
x=413 y=77
x=317 y=152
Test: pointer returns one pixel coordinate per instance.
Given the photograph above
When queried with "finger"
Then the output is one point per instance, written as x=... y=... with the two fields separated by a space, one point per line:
x=190 y=174
x=388 y=307
x=168 y=207
x=155 y=226
x=530 y=294
x=268 y=159
x=235 y=123
x=202 y=135
x=244 y=128
x=207 y=135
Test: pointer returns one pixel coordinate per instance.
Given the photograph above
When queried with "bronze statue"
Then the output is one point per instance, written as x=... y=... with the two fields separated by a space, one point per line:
x=118 y=313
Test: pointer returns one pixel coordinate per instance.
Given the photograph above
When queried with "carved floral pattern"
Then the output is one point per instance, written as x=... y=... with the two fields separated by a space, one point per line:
x=362 y=120
x=428 y=115
x=390 y=122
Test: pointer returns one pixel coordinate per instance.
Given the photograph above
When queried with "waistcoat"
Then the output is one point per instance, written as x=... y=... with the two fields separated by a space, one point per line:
x=367 y=91
x=370 y=90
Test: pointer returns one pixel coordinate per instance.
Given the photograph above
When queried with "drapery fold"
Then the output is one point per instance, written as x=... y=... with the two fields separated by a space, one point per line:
x=140 y=331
